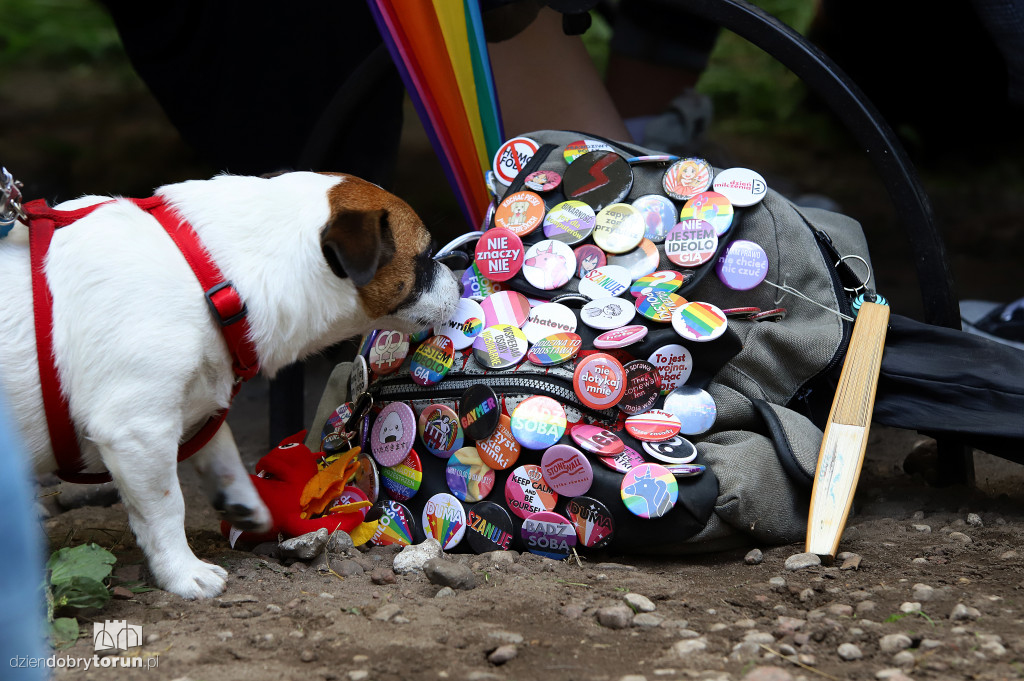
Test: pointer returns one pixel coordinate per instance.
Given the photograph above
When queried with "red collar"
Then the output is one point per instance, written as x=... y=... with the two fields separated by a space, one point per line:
x=225 y=303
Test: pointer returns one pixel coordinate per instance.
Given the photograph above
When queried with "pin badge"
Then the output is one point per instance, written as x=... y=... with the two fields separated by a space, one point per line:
x=549 y=264
x=500 y=346
x=359 y=379
x=543 y=180
x=740 y=312
x=775 y=315
x=667 y=281
x=526 y=492
x=574 y=150
x=567 y=470
x=701 y=322
x=694 y=407
x=520 y=213
x=685 y=470
x=569 y=222
x=499 y=254
x=742 y=186
x=512 y=157
x=505 y=307
x=588 y=258
x=649 y=491
x=643 y=387
x=432 y=360
x=337 y=420
x=444 y=519
x=402 y=481
x=742 y=265
x=659 y=215
x=392 y=434
x=555 y=349
x=597 y=439
x=500 y=450
x=619 y=228
x=621 y=337
x=687 y=177
x=598 y=178
x=655 y=425
x=548 y=534
x=654 y=158
x=479 y=411
x=674 y=450
x=624 y=461
x=607 y=313
x=641 y=261
x=658 y=306
x=468 y=477
x=547 y=319
x=599 y=381
x=711 y=207
x=675 y=364
x=350 y=495
x=476 y=285
x=439 y=430
x=538 y=422
x=610 y=280
x=691 y=243
x=395 y=525
x=366 y=477
x=465 y=325
x=388 y=351
x=592 y=521
x=488 y=527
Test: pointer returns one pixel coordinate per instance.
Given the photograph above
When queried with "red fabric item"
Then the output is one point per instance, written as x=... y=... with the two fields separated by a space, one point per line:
x=224 y=300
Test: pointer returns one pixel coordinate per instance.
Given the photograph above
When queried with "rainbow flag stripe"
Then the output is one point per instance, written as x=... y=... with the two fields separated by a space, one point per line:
x=700 y=321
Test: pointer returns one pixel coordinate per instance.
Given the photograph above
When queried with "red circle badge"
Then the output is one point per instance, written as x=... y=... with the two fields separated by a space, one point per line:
x=499 y=254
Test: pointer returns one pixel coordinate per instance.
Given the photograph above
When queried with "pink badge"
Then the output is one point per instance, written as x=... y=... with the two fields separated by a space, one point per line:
x=506 y=307
x=567 y=470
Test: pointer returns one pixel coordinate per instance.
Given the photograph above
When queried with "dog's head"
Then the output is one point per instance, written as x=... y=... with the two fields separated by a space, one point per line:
x=375 y=240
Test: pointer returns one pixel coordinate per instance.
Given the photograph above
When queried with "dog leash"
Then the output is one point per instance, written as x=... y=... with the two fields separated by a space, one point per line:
x=223 y=299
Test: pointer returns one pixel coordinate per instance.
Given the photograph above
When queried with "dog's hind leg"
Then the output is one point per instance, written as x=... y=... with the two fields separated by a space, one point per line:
x=227 y=484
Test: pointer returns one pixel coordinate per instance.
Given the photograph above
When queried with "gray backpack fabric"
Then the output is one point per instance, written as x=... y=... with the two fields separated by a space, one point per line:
x=772 y=382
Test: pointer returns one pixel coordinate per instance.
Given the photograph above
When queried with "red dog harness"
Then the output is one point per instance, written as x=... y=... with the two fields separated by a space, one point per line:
x=224 y=301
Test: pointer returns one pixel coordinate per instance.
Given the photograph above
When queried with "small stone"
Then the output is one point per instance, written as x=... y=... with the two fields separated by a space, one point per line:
x=923 y=592
x=308 y=655
x=482 y=676
x=893 y=643
x=687 y=647
x=306 y=546
x=744 y=650
x=963 y=612
x=400 y=619
x=807 y=595
x=382 y=576
x=919 y=561
x=614 y=566
x=386 y=612
x=759 y=637
x=235 y=599
x=925 y=529
x=503 y=654
x=633 y=677
x=121 y=593
x=274 y=608
x=506 y=637
x=851 y=563
x=615 y=616
x=412 y=558
x=754 y=557
x=910 y=607
x=445 y=592
x=639 y=602
x=746 y=624
x=572 y=611
x=960 y=538
x=840 y=610
x=1009 y=555
x=340 y=543
x=787 y=649
x=904 y=658
x=800 y=561
x=358 y=675
x=647 y=620
x=993 y=648
x=849 y=652
x=449 y=573
x=777 y=584
x=974 y=520
x=766 y=673
x=892 y=674
x=499 y=557
x=348 y=568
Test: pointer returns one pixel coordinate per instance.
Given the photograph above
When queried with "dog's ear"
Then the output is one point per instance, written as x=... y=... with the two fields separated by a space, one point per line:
x=357 y=243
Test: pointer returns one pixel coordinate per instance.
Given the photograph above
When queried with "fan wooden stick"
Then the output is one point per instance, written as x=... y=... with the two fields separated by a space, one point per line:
x=846 y=433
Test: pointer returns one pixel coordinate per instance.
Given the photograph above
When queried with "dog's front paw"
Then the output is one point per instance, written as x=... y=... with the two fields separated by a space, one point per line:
x=195 y=579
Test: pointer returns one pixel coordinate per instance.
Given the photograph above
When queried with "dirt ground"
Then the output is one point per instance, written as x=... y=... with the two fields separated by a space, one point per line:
x=715 y=617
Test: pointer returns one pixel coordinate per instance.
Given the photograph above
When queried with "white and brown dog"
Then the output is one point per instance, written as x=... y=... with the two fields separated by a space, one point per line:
x=317 y=258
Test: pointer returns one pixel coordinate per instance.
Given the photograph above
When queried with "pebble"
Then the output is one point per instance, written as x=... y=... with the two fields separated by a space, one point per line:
x=840 y=610
x=892 y=675
x=922 y=528
x=348 y=568
x=445 y=592
x=273 y=608
x=893 y=643
x=308 y=655
x=688 y=647
x=358 y=675
x=929 y=644
x=852 y=562
x=506 y=637
x=499 y=557
x=449 y=573
x=904 y=658
x=614 y=566
x=923 y=592
x=386 y=611
x=615 y=616
x=639 y=602
x=765 y=673
x=754 y=557
x=503 y=654
x=777 y=583
x=482 y=676
x=807 y=595
x=633 y=677
x=746 y=624
x=799 y=561
x=412 y=558
x=572 y=611
x=910 y=607
x=1009 y=555
x=383 y=576
x=960 y=538
x=849 y=652
x=306 y=546
x=647 y=620
x=974 y=520
x=963 y=612
x=340 y=542
x=759 y=637
x=744 y=650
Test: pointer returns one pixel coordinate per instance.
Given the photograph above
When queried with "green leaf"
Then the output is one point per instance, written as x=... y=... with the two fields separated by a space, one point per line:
x=63 y=632
x=88 y=560
x=81 y=592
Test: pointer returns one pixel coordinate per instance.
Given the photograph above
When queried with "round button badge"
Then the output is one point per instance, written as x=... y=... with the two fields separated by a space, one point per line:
x=742 y=265
x=674 y=364
x=393 y=433
x=567 y=470
x=444 y=519
x=501 y=450
x=538 y=422
x=499 y=254
x=359 y=379
x=655 y=425
x=643 y=387
x=619 y=228
x=432 y=360
x=641 y=261
x=658 y=306
x=489 y=527
x=701 y=322
x=395 y=525
x=711 y=207
x=742 y=186
x=597 y=440
x=686 y=470
x=479 y=411
x=465 y=325
x=675 y=450
x=622 y=337
x=388 y=351
x=610 y=280
x=574 y=150
x=549 y=264
x=686 y=178
x=520 y=213
x=476 y=285
x=401 y=482
x=592 y=521
x=367 y=479
x=543 y=180
x=588 y=258
x=555 y=349
x=694 y=407
x=599 y=381
x=624 y=461
x=512 y=157
x=505 y=307
x=569 y=221
x=659 y=214
x=500 y=346
x=468 y=477
x=526 y=492
x=607 y=313
x=666 y=281
x=548 y=534
x=691 y=243
x=649 y=491
x=598 y=178
x=439 y=430
x=547 y=319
